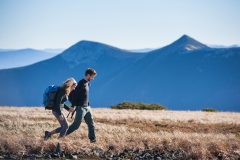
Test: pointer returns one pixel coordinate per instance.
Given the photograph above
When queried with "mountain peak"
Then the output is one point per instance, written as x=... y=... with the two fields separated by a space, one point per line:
x=86 y=51
x=88 y=43
x=186 y=38
x=188 y=43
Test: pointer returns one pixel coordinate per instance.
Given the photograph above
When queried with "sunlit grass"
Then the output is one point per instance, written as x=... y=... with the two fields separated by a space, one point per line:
x=199 y=134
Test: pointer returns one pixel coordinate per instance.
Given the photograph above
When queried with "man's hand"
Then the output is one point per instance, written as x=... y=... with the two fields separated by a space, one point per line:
x=61 y=117
x=71 y=109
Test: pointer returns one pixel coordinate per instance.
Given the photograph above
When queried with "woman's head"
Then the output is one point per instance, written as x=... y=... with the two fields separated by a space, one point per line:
x=69 y=85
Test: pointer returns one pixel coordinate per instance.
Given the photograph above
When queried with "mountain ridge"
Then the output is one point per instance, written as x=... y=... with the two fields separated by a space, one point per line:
x=22 y=57
x=203 y=77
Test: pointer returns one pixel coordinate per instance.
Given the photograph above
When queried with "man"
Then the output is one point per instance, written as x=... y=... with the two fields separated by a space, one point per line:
x=80 y=98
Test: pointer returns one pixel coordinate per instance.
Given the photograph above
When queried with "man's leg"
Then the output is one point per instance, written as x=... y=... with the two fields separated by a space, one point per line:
x=91 y=128
x=77 y=121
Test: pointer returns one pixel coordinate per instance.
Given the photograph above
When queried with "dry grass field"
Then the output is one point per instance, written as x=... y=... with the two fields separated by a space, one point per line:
x=123 y=134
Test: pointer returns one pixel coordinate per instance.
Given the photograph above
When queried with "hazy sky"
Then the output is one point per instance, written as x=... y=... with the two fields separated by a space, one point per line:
x=129 y=24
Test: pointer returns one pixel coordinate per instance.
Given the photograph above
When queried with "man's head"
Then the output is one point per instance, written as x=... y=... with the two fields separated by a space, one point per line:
x=90 y=74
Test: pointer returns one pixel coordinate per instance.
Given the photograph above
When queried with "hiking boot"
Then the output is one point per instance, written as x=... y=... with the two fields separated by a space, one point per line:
x=47 y=135
x=92 y=140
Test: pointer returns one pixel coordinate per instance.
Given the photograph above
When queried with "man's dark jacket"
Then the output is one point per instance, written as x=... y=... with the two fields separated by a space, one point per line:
x=80 y=96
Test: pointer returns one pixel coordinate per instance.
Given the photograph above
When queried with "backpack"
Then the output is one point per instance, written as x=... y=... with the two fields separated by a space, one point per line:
x=49 y=96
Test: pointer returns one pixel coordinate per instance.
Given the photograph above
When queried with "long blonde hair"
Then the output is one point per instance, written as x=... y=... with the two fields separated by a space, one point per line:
x=68 y=84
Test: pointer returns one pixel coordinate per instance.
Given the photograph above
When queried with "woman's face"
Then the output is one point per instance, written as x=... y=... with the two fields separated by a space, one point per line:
x=74 y=86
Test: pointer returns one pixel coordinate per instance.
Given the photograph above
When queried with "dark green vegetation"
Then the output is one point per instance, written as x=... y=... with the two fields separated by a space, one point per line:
x=209 y=110
x=142 y=106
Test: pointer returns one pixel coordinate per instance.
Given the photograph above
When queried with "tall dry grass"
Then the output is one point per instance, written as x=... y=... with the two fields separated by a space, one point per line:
x=184 y=134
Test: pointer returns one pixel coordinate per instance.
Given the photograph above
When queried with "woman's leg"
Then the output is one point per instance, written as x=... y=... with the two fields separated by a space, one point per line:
x=64 y=125
x=57 y=130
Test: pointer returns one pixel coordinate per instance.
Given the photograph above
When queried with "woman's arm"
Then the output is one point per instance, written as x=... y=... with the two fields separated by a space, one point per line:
x=59 y=97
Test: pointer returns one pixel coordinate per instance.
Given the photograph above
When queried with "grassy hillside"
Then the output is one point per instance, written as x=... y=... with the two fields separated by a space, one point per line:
x=127 y=134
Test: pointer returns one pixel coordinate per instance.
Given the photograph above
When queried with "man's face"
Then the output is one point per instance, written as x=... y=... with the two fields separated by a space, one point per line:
x=90 y=77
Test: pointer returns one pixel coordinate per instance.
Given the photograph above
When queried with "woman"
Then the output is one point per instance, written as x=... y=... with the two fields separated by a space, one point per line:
x=61 y=96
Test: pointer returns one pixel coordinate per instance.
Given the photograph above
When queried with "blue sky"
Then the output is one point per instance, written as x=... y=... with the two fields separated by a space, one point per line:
x=129 y=24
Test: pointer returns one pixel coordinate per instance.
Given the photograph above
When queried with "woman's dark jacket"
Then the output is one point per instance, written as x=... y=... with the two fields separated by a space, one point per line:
x=60 y=98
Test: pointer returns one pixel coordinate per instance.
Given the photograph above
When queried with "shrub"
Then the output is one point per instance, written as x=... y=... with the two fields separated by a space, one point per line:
x=141 y=106
x=209 y=110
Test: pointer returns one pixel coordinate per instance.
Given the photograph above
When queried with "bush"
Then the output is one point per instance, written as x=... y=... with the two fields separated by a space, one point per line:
x=209 y=110
x=141 y=106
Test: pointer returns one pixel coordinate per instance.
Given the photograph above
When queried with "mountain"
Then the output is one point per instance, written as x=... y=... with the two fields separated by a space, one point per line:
x=24 y=86
x=22 y=57
x=182 y=78
x=187 y=43
x=183 y=45
x=186 y=74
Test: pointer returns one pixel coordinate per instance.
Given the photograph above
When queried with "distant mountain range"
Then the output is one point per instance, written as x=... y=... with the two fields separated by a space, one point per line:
x=10 y=58
x=185 y=75
x=223 y=46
